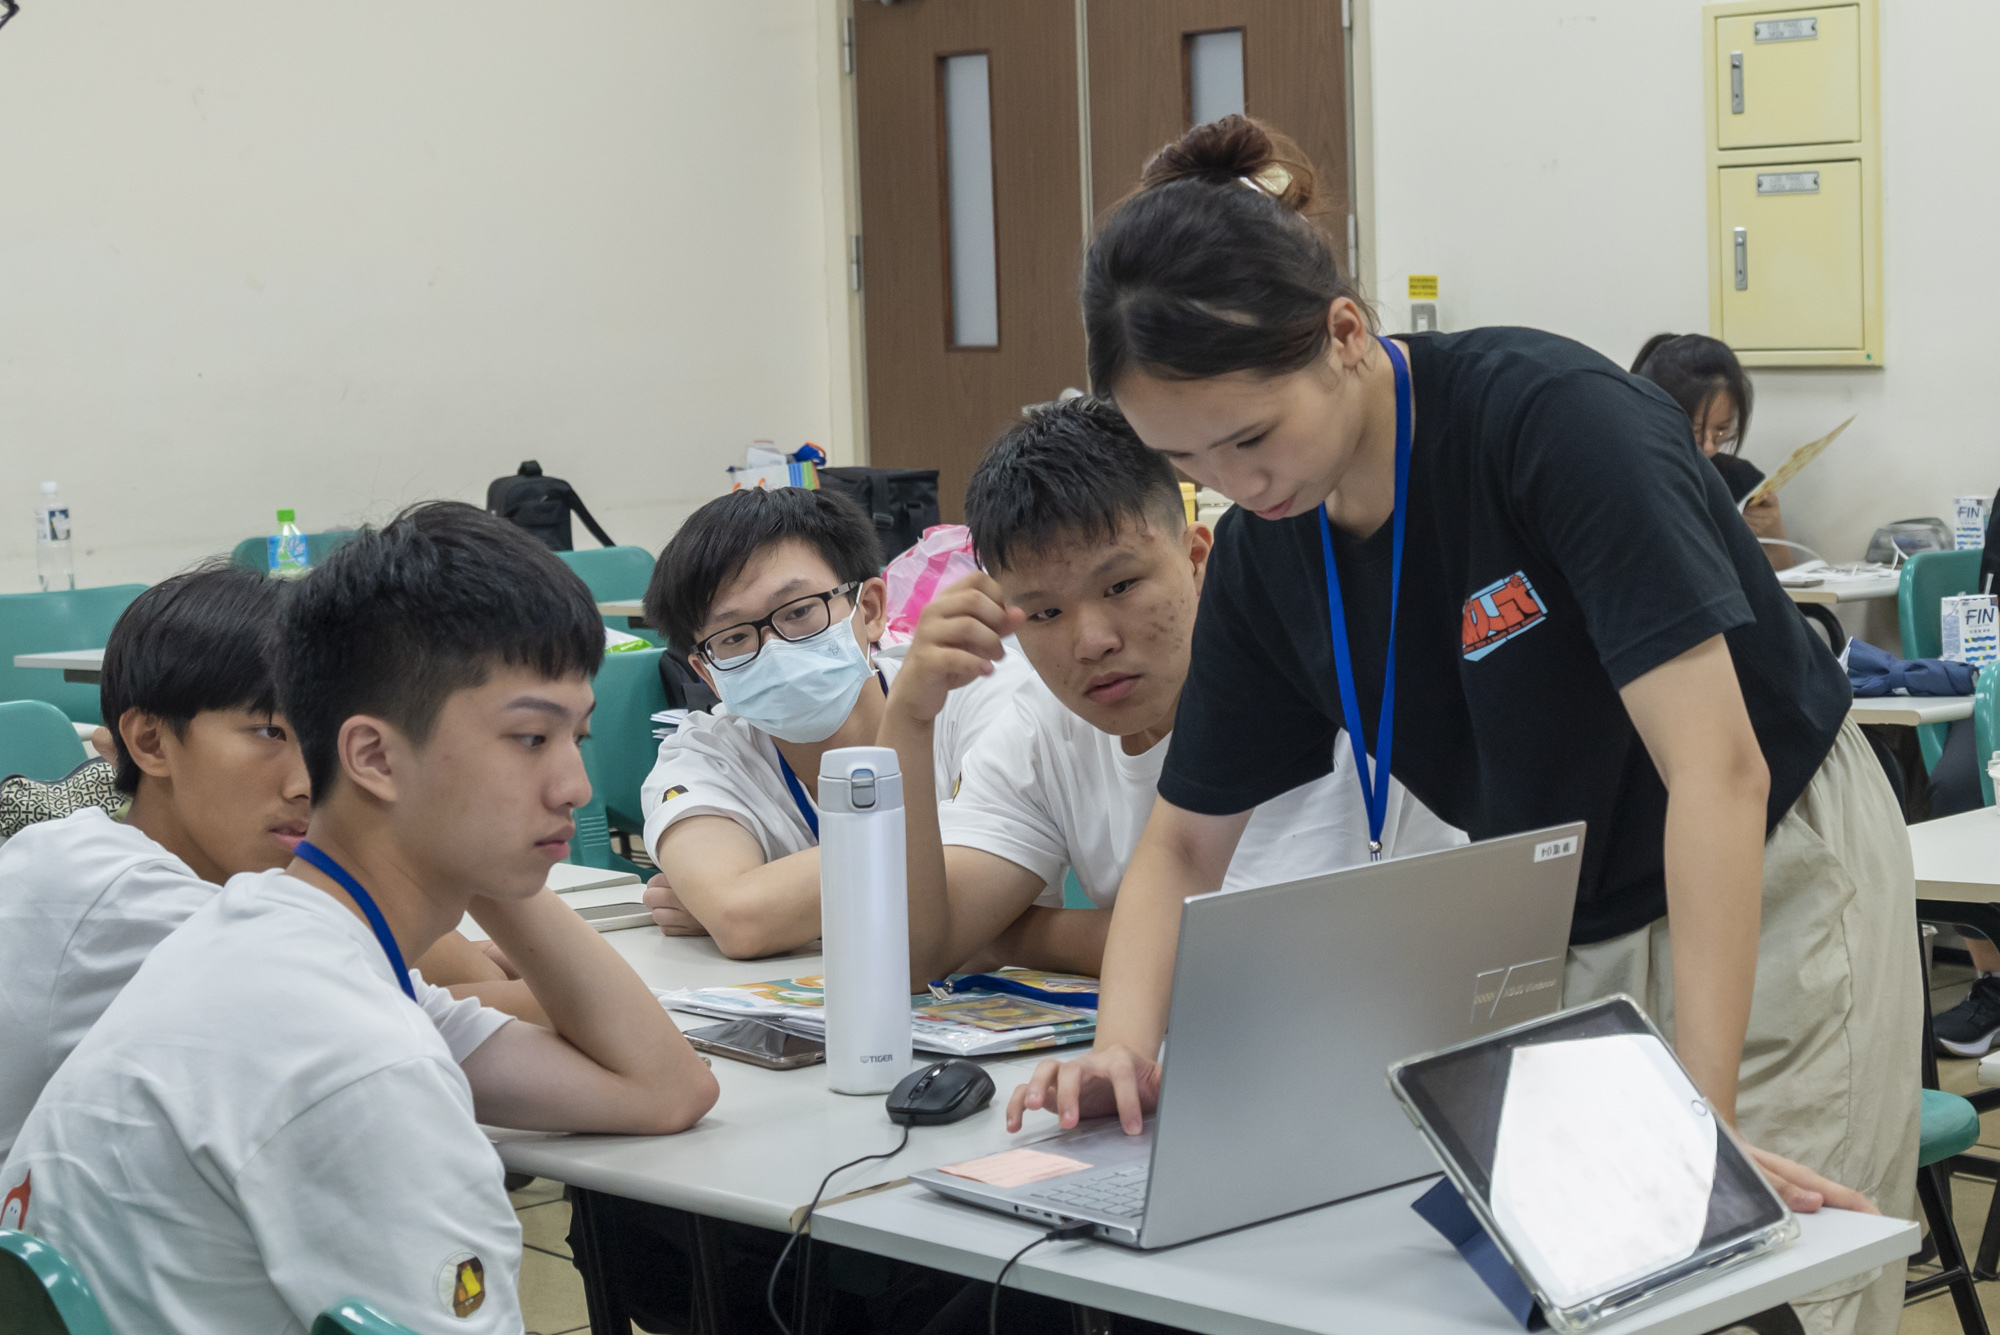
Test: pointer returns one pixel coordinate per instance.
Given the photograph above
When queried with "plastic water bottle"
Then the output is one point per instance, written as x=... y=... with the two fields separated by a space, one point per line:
x=864 y=919
x=287 y=558
x=55 y=566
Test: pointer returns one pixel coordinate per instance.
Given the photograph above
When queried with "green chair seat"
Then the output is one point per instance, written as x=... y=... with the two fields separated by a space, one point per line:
x=1927 y=579
x=34 y=623
x=41 y=1293
x=1950 y=1126
x=38 y=741
x=354 y=1317
x=255 y=553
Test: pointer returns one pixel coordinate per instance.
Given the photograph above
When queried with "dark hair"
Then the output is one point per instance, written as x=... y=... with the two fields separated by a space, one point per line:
x=719 y=539
x=198 y=641
x=1067 y=472
x=1212 y=265
x=397 y=619
x=1692 y=368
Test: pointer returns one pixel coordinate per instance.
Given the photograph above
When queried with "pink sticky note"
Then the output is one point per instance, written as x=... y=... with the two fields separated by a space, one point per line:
x=1015 y=1168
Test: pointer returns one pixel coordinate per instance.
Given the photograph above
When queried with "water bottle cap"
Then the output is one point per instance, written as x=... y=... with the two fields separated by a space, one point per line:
x=287 y=516
x=48 y=489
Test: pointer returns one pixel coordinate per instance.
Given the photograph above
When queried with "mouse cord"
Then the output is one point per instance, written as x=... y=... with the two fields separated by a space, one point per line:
x=805 y=1222
x=1063 y=1234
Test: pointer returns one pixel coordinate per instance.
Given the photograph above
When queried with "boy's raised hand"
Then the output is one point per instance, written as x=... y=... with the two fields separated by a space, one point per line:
x=958 y=640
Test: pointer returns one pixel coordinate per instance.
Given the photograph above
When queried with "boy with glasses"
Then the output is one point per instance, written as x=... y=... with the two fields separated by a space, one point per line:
x=776 y=599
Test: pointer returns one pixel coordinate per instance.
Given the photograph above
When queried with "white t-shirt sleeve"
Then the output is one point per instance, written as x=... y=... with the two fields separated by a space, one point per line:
x=463 y=1023
x=1000 y=809
x=384 y=1191
x=709 y=767
x=136 y=912
x=974 y=710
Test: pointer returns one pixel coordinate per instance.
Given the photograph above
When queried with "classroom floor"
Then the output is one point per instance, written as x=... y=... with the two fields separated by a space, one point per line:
x=552 y=1294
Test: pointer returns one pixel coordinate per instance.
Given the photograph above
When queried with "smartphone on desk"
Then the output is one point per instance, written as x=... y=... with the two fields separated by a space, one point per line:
x=757 y=1043
x=613 y=917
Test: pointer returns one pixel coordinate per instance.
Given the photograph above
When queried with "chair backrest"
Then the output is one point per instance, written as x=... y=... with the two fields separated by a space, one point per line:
x=41 y=1293
x=38 y=740
x=255 y=553
x=44 y=622
x=1928 y=578
x=614 y=574
x=1986 y=727
x=621 y=749
x=354 y=1317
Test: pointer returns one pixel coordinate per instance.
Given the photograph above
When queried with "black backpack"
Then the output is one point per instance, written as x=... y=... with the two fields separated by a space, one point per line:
x=902 y=501
x=542 y=505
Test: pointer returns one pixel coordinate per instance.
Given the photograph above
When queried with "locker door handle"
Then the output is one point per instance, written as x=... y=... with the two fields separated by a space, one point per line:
x=1742 y=259
x=1736 y=83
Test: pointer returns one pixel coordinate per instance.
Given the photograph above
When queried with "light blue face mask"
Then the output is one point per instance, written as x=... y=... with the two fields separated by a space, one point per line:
x=799 y=690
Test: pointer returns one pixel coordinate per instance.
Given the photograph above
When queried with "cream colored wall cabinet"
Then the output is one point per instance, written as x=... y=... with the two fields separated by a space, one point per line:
x=1794 y=183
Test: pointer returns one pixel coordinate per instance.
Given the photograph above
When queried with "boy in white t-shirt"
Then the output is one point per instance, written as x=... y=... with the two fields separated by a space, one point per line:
x=214 y=785
x=275 y=1113
x=775 y=598
x=1091 y=562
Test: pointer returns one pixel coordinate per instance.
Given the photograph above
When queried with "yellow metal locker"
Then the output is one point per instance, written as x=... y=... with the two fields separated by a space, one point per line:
x=1788 y=77
x=1792 y=256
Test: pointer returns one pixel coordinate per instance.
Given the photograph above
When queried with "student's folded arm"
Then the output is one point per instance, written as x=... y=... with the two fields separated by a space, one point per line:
x=454 y=960
x=751 y=907
x=1053 y=940
x=983 y=897
x=510 y=996
x=613 y=1062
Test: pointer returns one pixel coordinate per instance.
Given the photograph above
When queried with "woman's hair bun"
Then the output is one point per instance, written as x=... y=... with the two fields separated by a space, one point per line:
x=1239 y=151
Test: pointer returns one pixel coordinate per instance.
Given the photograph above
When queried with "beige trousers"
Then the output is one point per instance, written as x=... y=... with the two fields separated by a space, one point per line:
x=1831 y=1063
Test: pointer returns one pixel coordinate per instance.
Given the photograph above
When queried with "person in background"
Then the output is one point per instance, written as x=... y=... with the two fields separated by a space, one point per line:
x=1707 y=381
x=1086 y=548
x=275 y=1114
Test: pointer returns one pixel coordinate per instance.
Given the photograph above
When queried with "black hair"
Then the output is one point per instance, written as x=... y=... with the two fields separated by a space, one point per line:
x=1692 y=368
x=1066 y=472
x=1213 y=265
x=198 y=641
x=398 y=619
x=719 y=539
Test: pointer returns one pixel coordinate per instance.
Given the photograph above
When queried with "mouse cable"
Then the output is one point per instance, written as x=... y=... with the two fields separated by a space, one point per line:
x=805 y=1222
x=1063 y=1234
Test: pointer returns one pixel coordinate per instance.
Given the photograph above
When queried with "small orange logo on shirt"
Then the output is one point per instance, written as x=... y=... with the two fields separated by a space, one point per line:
x=1497 y=613
x=14 y=1205
x=462 y=1284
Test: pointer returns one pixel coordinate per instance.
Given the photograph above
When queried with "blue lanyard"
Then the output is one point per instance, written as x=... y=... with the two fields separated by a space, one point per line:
x=799 y=789
x=368 y=909
x=1375 y=782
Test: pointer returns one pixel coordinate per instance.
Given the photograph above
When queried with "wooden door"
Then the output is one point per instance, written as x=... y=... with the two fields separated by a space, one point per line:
x=941 y=383
x=1293 y=76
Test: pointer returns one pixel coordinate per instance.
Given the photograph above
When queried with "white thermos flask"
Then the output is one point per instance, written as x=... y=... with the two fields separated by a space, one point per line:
x=864 y=919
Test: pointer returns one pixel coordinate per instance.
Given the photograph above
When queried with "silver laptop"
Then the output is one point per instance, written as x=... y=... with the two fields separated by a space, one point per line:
x=1290 y=1002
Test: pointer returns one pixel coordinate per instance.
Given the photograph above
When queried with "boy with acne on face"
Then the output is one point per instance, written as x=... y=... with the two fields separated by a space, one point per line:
x=1090 y=561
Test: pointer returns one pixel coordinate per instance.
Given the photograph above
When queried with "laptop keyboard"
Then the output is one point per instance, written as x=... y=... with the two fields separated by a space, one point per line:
x=1120 y=1192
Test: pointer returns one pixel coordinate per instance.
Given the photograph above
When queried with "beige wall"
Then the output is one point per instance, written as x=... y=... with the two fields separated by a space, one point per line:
x=1545 y=158
x=342 y=257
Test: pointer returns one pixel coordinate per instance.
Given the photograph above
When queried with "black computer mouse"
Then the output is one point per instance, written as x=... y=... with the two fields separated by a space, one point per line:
x=941 y=1092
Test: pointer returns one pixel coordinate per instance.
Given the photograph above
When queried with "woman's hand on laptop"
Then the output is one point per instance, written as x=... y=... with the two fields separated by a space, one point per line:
x=1804 y=1190
x=1097 y=1084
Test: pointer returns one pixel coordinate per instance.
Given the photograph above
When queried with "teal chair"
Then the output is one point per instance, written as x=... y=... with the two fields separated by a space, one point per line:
x=41 y=1293
x=621 y=748
x=354 y=1317
x=1986 y=727
x=38 y=741
x=255 y=553
x=45 y=622
x=616 y=574
x=1928 y=578
x=1950 y=1126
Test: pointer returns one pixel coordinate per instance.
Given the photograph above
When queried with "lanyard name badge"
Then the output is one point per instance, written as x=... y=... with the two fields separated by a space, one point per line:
x=1375 y=780
x=799 y=790
x=376 y=921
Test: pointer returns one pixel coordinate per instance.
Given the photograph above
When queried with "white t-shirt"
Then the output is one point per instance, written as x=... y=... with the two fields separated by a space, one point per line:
x=715 y=764
x=261 y=1125
x=83 y=901
x=1049 y=791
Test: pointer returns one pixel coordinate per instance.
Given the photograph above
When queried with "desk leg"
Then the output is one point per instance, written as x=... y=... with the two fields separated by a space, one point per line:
x=591 y=1217
x=1090 y=1321
x=711 y=1304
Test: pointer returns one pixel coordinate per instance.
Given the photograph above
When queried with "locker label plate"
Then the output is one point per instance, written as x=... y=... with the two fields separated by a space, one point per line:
x=1787 y=183
x=1786 y=30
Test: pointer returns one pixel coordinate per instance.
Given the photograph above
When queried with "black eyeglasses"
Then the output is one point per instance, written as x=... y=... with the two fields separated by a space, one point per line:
x=800 y=619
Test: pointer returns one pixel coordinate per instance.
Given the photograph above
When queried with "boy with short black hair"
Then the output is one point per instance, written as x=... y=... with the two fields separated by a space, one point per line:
x=1089 y=558
x=260 y=1125
x=776 y=599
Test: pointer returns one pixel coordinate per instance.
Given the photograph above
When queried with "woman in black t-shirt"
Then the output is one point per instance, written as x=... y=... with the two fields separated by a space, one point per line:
x=1703 y=376
x=1582 y=630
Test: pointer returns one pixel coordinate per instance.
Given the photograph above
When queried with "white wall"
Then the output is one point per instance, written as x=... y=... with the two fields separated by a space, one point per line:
x=1545 y=158
x=342 y=257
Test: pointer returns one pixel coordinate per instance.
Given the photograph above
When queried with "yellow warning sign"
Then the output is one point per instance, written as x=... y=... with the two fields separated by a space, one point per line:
x=1423 y=287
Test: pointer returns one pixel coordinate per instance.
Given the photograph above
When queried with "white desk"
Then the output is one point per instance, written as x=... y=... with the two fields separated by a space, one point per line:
x=623 y=607
x=1844 y=588
x=80 y=665
x=1958 y=857
x=1910 y=709
x=1357 y=1268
